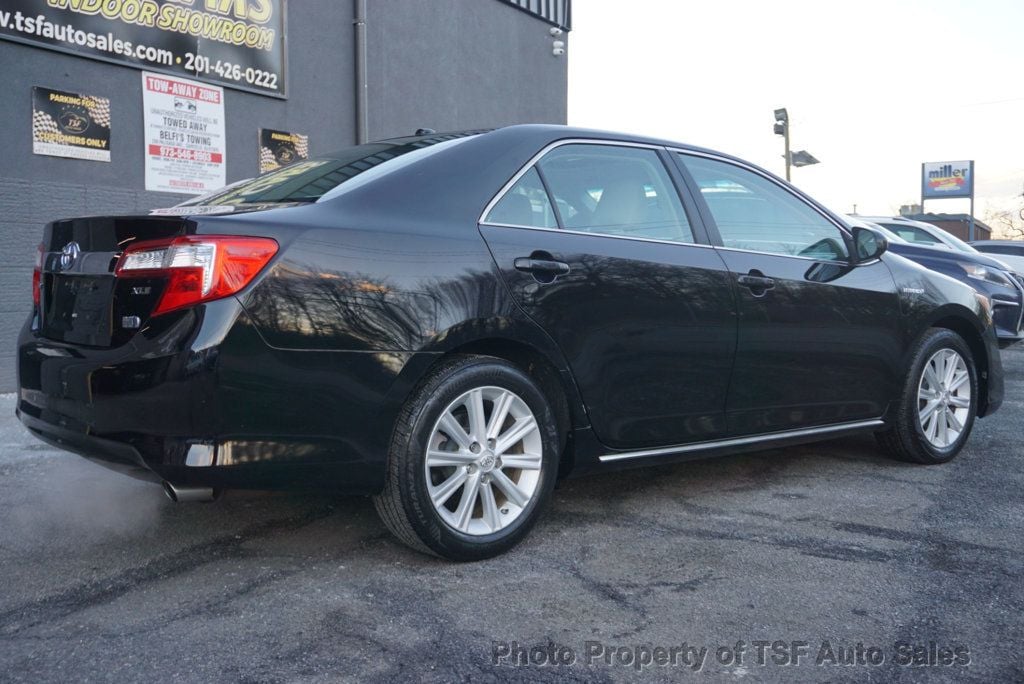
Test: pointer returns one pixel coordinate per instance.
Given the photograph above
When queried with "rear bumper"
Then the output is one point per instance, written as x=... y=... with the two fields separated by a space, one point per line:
x=110 y=453
x=205 y=402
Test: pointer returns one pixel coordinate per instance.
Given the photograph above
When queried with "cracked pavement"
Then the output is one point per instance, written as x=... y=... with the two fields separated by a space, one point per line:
x=105 y=580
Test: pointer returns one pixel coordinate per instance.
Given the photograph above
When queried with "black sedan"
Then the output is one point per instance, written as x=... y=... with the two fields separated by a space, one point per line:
x=449 y=323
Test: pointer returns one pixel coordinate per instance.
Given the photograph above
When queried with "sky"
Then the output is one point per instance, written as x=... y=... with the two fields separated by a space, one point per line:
x=872 y=88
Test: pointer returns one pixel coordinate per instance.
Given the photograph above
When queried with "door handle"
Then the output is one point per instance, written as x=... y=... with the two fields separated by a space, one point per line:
x=756 y=282
x=545 y=267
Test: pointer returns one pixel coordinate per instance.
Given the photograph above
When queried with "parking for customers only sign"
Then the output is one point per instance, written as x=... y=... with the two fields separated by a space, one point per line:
x=70 y=125
x=184 y=135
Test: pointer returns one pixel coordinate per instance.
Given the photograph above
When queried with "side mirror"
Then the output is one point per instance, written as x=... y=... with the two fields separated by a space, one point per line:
x=870 y=243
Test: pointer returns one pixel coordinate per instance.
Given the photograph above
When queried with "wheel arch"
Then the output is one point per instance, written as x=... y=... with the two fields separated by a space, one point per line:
x=520 y=342
x=556 y=384
x=963 y=325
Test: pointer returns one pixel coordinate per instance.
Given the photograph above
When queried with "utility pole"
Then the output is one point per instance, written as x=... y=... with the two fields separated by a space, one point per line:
x=782 y=128
x=362 y=81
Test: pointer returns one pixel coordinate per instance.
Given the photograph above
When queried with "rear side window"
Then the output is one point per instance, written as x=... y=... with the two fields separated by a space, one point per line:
x=525 y=204
x=753 y=213
x=1010 y=250
x=612 y=190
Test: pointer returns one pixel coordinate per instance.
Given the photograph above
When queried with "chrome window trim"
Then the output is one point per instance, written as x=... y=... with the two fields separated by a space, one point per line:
x=741 y=441
x=794 y=256
x=650 y=146
x=600 y=235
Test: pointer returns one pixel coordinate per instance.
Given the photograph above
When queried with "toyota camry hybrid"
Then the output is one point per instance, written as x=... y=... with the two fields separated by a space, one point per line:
x=450 y=323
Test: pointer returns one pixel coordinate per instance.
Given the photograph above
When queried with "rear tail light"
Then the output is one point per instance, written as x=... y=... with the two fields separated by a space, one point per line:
x=37 y=275
x=197 y=269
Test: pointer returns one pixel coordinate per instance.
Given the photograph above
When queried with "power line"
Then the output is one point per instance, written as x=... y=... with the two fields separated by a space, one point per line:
x=993 y=102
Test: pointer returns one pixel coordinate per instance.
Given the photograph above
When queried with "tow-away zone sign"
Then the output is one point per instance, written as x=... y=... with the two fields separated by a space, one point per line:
x=184 y=129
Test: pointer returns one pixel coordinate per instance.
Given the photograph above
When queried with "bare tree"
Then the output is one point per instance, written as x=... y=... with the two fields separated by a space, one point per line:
x=1008 y=223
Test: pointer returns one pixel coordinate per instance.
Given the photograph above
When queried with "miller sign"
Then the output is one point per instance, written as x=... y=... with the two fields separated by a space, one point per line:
x=947 y=179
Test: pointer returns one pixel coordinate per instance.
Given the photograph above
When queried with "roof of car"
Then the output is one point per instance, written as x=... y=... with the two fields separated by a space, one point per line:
x=511 y=147
x=548 y=133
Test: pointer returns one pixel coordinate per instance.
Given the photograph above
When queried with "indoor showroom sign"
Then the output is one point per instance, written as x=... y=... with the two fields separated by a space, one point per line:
x=236 y=43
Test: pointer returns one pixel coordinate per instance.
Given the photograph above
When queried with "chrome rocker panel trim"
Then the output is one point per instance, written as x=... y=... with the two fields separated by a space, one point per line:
x=767 y=438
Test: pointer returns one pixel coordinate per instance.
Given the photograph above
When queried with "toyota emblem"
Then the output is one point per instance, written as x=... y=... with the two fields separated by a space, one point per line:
x=69 y=255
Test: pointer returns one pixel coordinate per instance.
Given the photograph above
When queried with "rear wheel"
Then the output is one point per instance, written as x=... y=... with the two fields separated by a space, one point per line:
x=473 y=460
x=939 y=402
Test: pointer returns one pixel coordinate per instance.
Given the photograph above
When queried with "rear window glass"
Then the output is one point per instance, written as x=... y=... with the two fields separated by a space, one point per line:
x=308 y=181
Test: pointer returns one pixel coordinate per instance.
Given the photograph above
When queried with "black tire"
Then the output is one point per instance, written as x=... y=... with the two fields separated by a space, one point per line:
x=405 y=505
x=905 y=438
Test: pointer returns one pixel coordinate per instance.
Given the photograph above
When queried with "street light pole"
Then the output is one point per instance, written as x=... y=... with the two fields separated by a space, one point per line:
x=789 y=157
x=782 y=128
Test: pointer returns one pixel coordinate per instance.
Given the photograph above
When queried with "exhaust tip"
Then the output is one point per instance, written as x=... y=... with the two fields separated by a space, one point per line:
x=189 y=494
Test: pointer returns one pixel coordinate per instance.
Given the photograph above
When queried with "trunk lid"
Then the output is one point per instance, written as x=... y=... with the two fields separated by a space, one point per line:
x=82 y=302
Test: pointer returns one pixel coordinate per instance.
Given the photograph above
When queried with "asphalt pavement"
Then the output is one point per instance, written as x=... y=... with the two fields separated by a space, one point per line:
x=824 y=562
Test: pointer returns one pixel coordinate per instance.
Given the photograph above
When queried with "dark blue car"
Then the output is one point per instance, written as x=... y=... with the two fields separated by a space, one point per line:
x=987 y=275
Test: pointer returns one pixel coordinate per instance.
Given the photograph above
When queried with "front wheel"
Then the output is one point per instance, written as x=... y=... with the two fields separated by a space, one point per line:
x=473 y=460
x=939 y=402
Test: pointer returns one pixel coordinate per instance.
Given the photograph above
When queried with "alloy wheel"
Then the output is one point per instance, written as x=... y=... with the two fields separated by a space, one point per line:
x=944 y=398
x=483 y=461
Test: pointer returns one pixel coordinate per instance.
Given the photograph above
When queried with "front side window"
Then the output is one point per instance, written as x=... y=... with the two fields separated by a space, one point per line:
x=922 y=237
x=612 y=190
x=913 y=234
x=753 y=213
x=525 y=204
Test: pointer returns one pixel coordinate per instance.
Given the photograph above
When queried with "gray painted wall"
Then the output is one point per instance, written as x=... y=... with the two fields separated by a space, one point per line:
x=455 y=64
x=443 y=64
